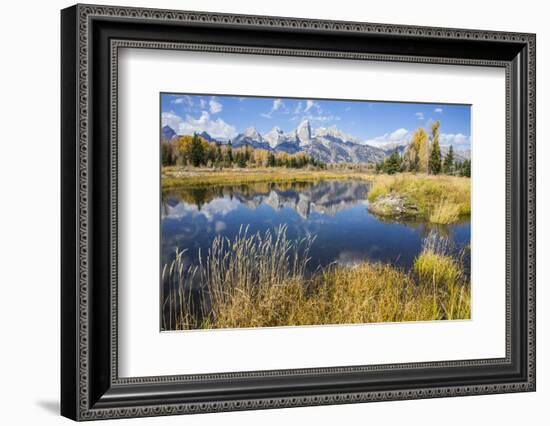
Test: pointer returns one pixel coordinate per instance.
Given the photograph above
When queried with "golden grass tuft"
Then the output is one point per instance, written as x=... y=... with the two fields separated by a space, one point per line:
x=441 y=199
x=261 y=281
x=445 y=212
x=435 y=267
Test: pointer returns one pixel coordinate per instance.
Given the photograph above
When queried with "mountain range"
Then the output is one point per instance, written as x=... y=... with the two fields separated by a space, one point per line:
x=327 y=144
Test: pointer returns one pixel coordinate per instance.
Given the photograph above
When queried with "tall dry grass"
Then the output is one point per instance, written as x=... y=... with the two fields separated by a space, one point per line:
x=438 y=268
x=261 y=281
x=178 y=307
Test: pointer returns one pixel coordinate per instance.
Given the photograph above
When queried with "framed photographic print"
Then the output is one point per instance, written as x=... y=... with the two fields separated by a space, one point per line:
x=263 y=212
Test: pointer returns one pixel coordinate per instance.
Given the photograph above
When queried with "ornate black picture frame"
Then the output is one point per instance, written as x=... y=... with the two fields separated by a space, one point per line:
x=91 y=387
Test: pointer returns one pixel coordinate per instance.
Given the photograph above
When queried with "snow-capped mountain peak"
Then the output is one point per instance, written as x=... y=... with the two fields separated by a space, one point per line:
x=274 y=137
x=330 y=145
x=250 y=136
x=334 y=132
x=252 y=133
x=303 y=133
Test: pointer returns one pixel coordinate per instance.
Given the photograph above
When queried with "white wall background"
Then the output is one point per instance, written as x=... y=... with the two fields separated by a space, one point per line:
x=29 y=213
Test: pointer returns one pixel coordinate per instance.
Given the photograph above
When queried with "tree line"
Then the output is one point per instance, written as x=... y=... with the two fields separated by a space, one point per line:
x=423 y=155
x=196 y=151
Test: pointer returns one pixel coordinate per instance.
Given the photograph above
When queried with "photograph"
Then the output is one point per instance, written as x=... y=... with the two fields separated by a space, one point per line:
x=298 y=212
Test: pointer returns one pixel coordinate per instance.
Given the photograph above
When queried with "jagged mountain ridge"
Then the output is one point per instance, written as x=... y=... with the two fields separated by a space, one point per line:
x=327 y=144
x=168 y=133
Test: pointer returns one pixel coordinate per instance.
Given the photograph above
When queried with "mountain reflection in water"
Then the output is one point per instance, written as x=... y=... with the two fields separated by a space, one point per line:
x=334 y=211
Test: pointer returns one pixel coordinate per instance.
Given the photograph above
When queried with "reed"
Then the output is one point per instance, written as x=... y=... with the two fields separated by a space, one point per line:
x=445 y=212
x=437 y=268
x=261 y=280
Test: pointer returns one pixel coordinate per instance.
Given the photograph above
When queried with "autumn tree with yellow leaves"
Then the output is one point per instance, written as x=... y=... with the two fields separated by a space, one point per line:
x=194 y=150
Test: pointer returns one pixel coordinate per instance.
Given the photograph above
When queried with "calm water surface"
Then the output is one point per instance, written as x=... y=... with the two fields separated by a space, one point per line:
x=334 y=211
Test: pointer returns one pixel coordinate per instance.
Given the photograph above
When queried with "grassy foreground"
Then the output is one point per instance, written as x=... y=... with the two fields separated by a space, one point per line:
x=261 y=281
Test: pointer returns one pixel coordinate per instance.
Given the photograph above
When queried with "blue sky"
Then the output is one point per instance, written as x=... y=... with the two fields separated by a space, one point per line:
x=376 y=123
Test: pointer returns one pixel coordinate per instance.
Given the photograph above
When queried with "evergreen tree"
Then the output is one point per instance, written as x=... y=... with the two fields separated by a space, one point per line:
x=457 y=167
x=466 y=166
x=271 y=160
x=434 y=163
x=197 y=151
x=293 y=164
x=392 y=163
x=230 y=153
x=219 y=155
x=240 y=159
x=449 y=162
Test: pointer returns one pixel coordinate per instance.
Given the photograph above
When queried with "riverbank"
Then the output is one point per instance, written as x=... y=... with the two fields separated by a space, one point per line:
x=438 y=199
x=173 y=177
x=261 y=281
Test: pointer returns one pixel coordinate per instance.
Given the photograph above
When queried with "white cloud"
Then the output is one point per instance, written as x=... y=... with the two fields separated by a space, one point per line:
x=171 y=119
x=211 y=210
x=216 y=128
x=403 y=136
x=419 y=115
x=215 y=106
x=219 y=207
x=458 y=140
x=397 y=137
x=399 y=134
x=185 y=99
x=438 y=110
x=312 y=111
x=316 y=117
x=277 y=105
x=347 y=109
x=309 y=105
x=202 y=103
